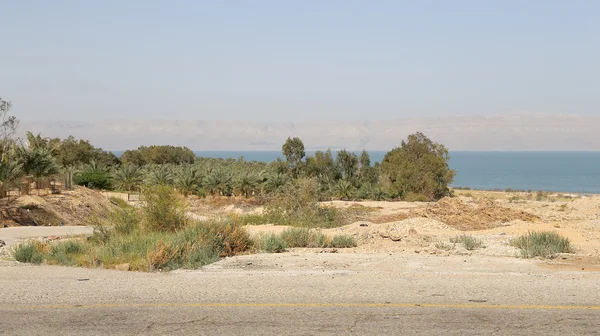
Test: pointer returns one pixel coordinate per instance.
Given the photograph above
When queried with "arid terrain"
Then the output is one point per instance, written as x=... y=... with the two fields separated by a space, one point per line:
x=384 y=227
x=404 y=275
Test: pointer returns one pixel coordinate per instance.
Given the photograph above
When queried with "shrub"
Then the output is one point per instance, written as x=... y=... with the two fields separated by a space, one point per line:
x=545 y=244
x=297 y=204
x=469 y=242
x=163 y=209
x=272 y=243
x=29 y=252
x=303 y=237
x=119 y=202
x=343 y=241
x=444 y=246
x=420 y=166
x=94 y=180
x=64 y=252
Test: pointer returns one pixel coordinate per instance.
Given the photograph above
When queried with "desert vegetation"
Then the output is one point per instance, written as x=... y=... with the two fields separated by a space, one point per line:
x=543 y=244
x=417 y=170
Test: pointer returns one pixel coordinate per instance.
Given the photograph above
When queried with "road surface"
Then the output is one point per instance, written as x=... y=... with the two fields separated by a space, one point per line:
x=305 y=293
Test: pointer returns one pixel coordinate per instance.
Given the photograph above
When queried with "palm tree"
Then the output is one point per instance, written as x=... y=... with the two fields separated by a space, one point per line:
x=218 y=182
x=128 y=177
x=274 y=181
x=343 y=189
x=39 y=163
x=188 y=180
x=245 y=184
x=160 y=175
x=10 y=172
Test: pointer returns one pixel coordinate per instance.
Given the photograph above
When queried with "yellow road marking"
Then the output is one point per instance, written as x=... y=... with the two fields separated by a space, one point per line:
x=303 y=305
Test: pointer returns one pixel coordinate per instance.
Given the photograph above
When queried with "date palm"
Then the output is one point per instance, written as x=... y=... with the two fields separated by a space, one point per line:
x=128 y=177
x=160 y=175
x=246 y=184
x=188 y=180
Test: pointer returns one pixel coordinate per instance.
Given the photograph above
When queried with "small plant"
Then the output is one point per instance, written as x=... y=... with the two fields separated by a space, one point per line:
x=303 y=237
x=469 y=242
x=515 y=199
x=121 y=203
x=343 y=241
x=563 y=207
x=544 y=244
x=29 y=252
x=444 y=246
x=163 y=209
x=272 y=243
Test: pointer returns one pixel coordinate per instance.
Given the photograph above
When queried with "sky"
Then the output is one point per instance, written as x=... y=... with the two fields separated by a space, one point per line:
x=297 y=60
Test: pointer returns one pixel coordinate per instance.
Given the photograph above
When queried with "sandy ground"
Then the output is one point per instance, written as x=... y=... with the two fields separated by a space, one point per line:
x=426 y=228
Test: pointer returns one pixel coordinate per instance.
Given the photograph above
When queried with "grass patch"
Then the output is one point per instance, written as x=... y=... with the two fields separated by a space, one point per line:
x=444 y=246
x=303 y=237
x=343 y=241
x=121 y=203
x=544 y=244
x=29 y=252
x=154 y=237
x=469 y=242
x=272 y=243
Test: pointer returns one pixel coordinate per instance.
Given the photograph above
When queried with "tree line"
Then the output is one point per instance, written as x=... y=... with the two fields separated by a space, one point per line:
x=416 y=170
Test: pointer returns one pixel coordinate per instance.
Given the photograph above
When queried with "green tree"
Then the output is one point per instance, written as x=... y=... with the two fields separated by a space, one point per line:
x=95 y=175
x=73 y=152
x=128 y=177
x=293 y=150
x=418 y=166
x=218 y=182
x=344 y=190
x=10 y=173
x=8 y=129
x=39 y=163
x=160 y=175
x=367 y=173
x=274 y=181
x=246 y=184
x=159 y=155
x=348 y=163
x=188 y=181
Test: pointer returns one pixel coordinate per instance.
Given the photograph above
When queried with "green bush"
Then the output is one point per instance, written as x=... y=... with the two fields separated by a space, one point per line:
x=163 y=209
x=28 y=253
x=469 y=242
x=544 y=244
x=272 y=243
x=343 y=241
x=297 y=204
x=63 y=253
x=94 y=180
x=303 y=237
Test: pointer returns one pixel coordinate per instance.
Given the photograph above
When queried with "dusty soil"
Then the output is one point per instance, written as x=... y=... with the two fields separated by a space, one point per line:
x=479 y=214
x=493 y=217
x=394 y=227
x=71 y=207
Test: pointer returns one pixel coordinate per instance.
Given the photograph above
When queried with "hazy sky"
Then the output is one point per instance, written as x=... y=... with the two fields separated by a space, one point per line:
x=297 y=60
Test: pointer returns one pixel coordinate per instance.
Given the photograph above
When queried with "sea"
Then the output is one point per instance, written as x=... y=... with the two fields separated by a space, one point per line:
x=566 y=172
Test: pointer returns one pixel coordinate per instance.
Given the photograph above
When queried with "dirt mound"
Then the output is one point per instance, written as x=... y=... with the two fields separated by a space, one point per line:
x=71 y=207
x=481 y=215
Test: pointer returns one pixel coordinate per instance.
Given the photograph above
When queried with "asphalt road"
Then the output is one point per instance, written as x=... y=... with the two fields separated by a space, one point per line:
x=305 y=293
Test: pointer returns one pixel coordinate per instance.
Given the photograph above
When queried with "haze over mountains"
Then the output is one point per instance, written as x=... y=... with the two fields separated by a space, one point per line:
x=517 y=132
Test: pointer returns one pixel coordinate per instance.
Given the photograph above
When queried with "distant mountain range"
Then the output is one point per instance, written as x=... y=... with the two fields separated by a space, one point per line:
x=496 y=132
